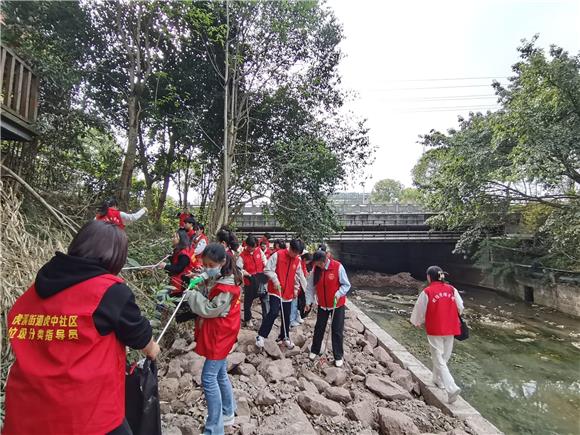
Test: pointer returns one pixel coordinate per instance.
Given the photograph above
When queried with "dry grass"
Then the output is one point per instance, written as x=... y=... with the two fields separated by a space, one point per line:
x=24 y=248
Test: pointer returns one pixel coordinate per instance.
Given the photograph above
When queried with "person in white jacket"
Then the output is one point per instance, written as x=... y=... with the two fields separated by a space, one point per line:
x=438 y=308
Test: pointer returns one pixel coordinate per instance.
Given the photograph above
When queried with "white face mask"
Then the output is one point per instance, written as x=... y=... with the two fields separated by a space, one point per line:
x=212 y=272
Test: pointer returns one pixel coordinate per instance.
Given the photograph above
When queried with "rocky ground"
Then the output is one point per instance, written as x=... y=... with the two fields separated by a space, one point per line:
x=280 y=391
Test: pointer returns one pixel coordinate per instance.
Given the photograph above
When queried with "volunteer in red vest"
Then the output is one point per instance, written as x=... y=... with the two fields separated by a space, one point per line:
x=181 y=262
x=285 y=274
x=68 y=332
x=189 y=225
x=328 y=286
x=216 y=331
x=251 y=262
x=229 y=241
x=109 y=212
x=183 y=215
x=438 y=308
x=265 y=247
x=299 y=303
x=199 y=243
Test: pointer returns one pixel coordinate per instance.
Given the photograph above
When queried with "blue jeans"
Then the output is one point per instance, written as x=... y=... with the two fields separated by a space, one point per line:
x=294 y=311
x=218 y=395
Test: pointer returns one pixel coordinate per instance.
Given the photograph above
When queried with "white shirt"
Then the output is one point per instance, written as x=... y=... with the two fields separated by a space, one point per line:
x=342 y=290
x=201 y=244
x=420 y=308
x=270 y=271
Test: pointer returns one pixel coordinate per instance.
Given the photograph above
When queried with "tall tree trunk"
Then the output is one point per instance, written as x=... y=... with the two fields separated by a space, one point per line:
x=166 y=176
x=129 y=162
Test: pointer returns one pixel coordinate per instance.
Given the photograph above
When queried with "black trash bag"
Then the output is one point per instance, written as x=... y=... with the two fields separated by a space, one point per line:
x=142 y=399
x=464 y=334
x=302 y=305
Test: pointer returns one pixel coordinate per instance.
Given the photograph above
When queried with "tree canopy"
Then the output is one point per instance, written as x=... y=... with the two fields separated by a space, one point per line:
x=519 y=165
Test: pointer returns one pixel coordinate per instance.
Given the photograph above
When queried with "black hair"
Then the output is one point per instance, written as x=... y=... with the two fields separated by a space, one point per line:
x=102 y=241
x=216 y=252
x=201 y=226
x=319 y=255
x=280 y=243
x=190 y=220
x=251 y=241
x=297 y=245
x=436 y=273
x=306 y=257
x=104 y=208
x=268 y=236
x=184 y=241
x=224 y=235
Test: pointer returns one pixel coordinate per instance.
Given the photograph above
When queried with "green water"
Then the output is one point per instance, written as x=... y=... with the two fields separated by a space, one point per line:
x=520 y=368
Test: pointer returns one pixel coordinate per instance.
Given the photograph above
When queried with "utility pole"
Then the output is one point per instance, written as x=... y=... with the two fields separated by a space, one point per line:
x=226 y=123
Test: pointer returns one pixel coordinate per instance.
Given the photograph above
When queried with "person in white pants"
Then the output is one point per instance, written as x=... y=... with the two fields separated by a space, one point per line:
x=438 y=308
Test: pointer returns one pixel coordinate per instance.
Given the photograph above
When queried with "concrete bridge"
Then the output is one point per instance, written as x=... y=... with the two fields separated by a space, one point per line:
x=386 y=238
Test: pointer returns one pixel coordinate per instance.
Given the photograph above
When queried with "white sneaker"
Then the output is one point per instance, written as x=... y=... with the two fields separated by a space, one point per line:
x=300 y=320
x=260 y=342
x=338 y=363
x=289 y=344
x=312 y=356
x=294 y=324
x=229 y=420
x=452 y=397
x=438 y=383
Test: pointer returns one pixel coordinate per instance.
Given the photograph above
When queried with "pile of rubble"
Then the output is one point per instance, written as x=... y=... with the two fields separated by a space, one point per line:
x=280 y=391
x=370 y=279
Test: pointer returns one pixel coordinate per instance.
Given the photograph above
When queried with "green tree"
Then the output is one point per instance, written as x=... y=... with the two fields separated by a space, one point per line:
x=386 y=191
x=479 y=176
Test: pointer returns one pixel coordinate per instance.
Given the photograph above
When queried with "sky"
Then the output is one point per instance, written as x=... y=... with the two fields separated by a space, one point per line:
x=416 y=65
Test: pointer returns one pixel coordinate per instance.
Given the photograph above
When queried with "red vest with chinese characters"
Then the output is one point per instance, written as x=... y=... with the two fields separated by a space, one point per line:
x=67 y=378
x=328 y=285
x=215 y=337
x=441 y=317
x=286 y=267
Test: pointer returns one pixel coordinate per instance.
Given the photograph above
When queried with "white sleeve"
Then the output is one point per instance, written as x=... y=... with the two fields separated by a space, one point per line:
x=270 y=269
x=132 y=217
x=344 y=282
x=458 y=300
x=300 y=280
x=200 y=247
x=240 y=264
x=310 y=293
x=264 y=259
x=419 y=310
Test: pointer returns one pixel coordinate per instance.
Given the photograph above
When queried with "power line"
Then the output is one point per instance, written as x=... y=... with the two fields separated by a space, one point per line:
x=448 y=79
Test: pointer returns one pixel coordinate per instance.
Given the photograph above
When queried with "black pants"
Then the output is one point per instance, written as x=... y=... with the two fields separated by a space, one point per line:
x=124 y=429
x=268 y=321
x=337 y=331
x=251 y=293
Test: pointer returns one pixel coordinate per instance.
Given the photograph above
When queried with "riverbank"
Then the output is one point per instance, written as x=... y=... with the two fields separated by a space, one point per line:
x=520 y=366
x=280 y=391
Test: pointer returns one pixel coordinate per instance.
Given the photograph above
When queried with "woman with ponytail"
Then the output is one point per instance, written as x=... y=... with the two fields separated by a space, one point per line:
x=216 y=331
x=438 y=308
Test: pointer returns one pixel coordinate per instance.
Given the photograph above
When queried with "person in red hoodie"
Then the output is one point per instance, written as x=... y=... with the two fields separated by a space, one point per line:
x=438 y=308
x=216 y=331
x=68 y=332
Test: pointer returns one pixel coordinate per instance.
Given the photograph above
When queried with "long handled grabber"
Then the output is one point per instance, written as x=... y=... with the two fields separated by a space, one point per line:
x=149 y=266
x=323 y=358
x=282 y=312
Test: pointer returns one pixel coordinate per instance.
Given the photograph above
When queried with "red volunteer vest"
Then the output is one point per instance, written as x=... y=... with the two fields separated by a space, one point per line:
x=177 y=280
x=286 y=267
x=253 y=263
x=328 y=285
x=215 y=337
x=182 y=217
x=198 y=263
x=67 y=378
x=113 y=216
x=441 y=317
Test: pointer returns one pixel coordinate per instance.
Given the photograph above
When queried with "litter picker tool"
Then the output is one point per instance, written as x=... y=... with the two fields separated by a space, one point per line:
x=324 y=359
x=149 y=266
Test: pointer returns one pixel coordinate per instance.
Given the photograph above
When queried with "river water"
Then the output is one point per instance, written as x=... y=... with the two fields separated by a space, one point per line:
x=520 y=368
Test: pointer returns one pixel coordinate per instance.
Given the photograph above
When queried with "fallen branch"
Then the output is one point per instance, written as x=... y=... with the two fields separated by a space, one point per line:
x=60 y=217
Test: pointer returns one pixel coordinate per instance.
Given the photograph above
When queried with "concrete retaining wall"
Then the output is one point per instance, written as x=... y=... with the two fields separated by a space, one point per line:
x=433 y=395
